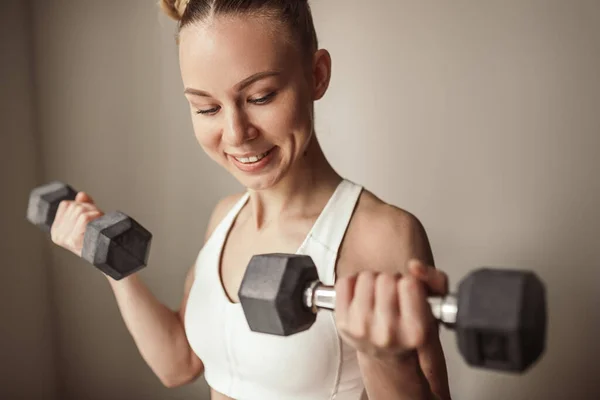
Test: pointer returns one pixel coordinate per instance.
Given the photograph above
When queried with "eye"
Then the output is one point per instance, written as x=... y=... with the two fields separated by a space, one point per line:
x=260 y=101
x=263 y=100
x=208 y=112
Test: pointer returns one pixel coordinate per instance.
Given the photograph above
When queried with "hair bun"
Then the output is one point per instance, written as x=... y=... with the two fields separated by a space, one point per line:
x=174 y=8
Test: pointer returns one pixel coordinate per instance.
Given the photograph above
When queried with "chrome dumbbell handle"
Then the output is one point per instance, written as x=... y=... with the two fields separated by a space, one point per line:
x=317 y=296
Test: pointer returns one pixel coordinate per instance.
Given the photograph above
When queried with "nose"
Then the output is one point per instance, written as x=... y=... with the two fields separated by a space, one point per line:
x=238 y=129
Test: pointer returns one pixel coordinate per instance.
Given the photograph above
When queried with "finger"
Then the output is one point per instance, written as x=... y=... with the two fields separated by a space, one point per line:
x=83 y=197
x=84 y=219
x=344 y=293
x=62 y=207
x=361 y=308
x=387 y=311
x=87 y=207
x=70 y=209
x=78 y=232
x=436 y=280
x=386 y=295
x=364 y=292
x=55 y=231
x=416 y=318
x=65 y=224
x=71 y=217
x=61 y=227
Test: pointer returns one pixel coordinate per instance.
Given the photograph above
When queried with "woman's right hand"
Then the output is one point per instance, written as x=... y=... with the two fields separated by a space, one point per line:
x=71 y=220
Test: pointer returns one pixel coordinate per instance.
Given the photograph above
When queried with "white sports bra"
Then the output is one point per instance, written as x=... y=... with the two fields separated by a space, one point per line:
x=312 y=365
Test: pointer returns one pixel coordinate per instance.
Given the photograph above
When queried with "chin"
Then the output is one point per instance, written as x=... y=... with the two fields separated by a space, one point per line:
x=258 y=183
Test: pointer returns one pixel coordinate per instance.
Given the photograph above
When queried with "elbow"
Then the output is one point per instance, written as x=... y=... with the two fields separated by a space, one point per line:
x=183 y=376
x=171 y=382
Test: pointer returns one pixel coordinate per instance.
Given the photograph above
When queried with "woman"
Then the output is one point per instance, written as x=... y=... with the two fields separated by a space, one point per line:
x=251 y=71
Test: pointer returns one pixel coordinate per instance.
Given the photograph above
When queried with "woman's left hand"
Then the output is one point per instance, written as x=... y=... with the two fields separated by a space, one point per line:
x=384 y=315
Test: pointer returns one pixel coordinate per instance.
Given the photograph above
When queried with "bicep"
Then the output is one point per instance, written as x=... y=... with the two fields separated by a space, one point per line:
x=417 y=242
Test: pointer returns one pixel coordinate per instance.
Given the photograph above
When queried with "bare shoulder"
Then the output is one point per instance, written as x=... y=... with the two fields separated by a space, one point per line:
x=382 y=237
x=221 y=209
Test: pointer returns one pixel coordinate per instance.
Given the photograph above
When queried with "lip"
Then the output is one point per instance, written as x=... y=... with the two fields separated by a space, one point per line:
x=246 y=155
x=257 y=166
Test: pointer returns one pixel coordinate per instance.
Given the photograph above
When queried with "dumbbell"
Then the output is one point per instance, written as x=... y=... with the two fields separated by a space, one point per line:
x=499 y=315
x=115 y=243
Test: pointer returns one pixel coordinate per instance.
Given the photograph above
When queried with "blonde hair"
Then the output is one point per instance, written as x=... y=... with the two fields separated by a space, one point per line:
x=174 y=8
x=296 y=14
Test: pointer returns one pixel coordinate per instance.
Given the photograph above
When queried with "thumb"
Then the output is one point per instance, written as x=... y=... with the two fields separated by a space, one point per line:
x=83 y=197
x=435 y=280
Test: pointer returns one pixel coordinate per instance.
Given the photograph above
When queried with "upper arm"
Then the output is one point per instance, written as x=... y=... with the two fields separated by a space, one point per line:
x=408 y=238
x=386 y=238
x=404 y=238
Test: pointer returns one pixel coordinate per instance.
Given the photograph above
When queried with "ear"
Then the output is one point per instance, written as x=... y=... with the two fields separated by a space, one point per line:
x=321 y=73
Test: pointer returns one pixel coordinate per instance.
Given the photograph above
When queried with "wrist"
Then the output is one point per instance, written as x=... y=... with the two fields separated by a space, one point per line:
x=408 y=361
x=400 y=374
x=128 y=280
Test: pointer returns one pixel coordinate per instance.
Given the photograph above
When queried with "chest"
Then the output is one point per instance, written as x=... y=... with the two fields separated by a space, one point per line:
x=313 y=364
x=239 y=361
x=243 y=242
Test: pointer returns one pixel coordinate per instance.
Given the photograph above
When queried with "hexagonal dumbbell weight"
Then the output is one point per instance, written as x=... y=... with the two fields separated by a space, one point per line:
x=115 y=243
x=499 y=315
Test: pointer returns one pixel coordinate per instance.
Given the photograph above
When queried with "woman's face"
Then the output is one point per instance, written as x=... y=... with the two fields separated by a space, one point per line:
x=250 y=97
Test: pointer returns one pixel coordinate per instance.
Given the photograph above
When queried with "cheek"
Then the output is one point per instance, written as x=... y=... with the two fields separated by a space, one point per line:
x=207 y=136
x=291 y=117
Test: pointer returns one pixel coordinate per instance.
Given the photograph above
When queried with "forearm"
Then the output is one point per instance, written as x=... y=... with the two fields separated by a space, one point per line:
x=157 y=331
x=394 y=378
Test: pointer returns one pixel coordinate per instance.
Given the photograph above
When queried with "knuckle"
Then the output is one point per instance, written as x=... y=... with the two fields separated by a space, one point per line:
x=360 y=330
x=383 y=338
x=62 y=207
x=414 y=334
x=57 y=239
x=353 y=329
x=342 y=324
x=417 y=336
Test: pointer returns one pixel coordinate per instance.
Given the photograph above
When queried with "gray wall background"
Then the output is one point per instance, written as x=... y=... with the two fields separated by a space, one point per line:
x=482 y=118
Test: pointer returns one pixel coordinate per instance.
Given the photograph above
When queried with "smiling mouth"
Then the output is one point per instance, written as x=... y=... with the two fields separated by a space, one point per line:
x=252 y=159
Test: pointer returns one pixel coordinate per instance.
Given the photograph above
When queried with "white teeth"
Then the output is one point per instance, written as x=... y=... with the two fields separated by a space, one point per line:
x=251 y=159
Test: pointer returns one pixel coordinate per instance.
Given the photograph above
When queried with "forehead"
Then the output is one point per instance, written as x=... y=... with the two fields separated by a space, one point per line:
x=225 y=50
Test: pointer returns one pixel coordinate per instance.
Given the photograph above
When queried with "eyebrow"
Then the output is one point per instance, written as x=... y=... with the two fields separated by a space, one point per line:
x=240 y=86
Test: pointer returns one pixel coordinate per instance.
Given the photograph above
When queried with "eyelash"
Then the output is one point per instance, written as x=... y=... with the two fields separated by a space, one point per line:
x=261 y=101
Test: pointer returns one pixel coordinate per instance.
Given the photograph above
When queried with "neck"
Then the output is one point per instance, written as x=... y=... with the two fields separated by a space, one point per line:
x=304 y=191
